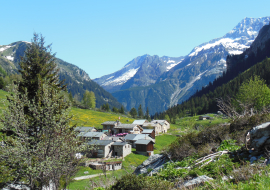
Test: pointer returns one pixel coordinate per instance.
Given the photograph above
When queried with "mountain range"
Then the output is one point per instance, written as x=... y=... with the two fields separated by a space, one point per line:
x=77 y=80
x=162 y=82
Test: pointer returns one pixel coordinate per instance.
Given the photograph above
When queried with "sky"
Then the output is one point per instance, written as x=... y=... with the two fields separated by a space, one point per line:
x=101 y=36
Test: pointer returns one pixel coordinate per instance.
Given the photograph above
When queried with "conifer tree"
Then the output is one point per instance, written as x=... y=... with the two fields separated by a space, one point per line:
x=140 y=111
x=122 y=110
x=36 y=66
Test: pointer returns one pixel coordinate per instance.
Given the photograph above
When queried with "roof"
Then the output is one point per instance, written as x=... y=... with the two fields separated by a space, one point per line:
x=159 y=121
x=119 y=143
x=150 y=124
x=110 y=123
x=147 y=131
x=100 y=142
x=90 y=134
x=112 y=138
x=84 y=129
x=143 y=141
x=135 y=137
x=125 y=126
x=140 y=122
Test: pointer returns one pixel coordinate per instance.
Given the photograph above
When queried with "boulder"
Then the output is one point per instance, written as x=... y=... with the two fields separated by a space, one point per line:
x=260 y=136
x=154 y=163
x=194 y=182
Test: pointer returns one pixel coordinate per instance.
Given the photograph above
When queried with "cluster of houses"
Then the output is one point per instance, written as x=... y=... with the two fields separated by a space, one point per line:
x=117 y=139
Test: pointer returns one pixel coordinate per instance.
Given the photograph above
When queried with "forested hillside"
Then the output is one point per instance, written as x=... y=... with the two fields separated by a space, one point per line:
x=77 y=80
x=241 y=67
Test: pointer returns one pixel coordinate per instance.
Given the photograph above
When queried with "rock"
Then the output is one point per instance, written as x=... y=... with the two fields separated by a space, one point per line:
x=194 y=182
x=260 y=136
x=153 y=163
x=252 y=159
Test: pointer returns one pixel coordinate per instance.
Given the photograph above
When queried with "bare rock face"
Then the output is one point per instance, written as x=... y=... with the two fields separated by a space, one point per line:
x=151 y=165
x=260 y=136
x=194 y=182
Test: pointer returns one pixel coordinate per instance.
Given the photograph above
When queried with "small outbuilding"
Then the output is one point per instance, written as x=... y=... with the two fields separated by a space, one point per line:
x=150 y=132
x=132 y=138
x=128 y=128
x=145 y=147
x=121 y=149
x=102 y=148
x=204 y=117
x=110 y=125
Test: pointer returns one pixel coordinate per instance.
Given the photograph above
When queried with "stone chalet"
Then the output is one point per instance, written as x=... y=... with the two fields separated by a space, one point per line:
x=163 y=123
x=92 y=135
x=102 y=148
x=86 y=129
x=128 y=128
x=108 y=148
x=155 y=126
x=110 y=125
x=121 y=149
x=132 y=138
x=145 y=147
x=140 y=122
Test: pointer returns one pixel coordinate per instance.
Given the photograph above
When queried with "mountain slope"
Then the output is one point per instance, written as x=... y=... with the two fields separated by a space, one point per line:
x=204 y=64
x=141 y=71
x=77 y=79
x=241 y=67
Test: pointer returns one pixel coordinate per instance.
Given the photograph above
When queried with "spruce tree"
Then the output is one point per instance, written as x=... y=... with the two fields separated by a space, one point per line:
x=38 y=65
x=140 y=111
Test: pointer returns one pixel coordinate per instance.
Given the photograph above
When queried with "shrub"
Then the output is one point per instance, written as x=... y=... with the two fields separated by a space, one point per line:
x=134 y=182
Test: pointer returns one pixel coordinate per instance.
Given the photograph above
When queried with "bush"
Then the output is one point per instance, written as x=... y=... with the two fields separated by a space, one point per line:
x=134 y=182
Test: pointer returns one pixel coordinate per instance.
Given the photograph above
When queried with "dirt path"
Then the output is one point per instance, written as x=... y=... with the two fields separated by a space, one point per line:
x=88 y=176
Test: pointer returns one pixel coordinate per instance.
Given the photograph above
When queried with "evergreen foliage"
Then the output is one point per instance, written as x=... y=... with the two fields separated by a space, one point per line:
x=36 y=66
x=39 y=145
x=122 y=110
x=140 y=111
x=133 y=112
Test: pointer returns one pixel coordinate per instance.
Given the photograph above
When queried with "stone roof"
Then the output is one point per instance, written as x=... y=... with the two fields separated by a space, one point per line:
x=84 y=129
x=159 y=121
x=110 y=123
x=150 y=124
x=135 y=137
x=125 y=126
x=143 y=141
x=113 y=138
x=140 y=122
x=100 y=142
x=90 y=134
x=119 y=143
x=146 y=131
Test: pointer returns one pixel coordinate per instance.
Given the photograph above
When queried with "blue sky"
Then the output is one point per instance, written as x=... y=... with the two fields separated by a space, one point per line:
x=102 y=36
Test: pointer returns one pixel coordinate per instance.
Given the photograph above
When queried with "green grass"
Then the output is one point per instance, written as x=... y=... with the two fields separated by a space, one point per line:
x=187 y=124
x=163 y=141
x=86 y=117
x=3 y=101
x=129 y=164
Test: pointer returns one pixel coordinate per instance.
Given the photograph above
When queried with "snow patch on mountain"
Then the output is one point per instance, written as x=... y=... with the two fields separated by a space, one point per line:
x=5 y=48
x=121 y=79
x=10 y=58
x=226 y=42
